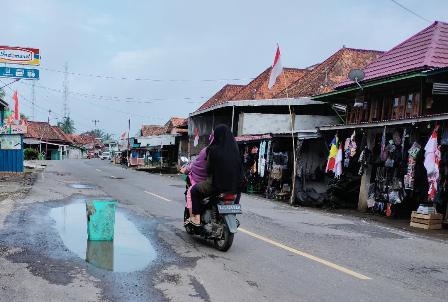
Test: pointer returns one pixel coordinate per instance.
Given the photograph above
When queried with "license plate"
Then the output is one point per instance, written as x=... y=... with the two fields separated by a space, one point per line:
x=229 y=209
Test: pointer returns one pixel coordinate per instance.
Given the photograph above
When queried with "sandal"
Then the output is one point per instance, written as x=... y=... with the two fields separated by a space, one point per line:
x=188 y=221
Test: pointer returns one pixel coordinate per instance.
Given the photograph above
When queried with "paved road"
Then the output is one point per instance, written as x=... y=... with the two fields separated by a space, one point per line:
x=280 y=253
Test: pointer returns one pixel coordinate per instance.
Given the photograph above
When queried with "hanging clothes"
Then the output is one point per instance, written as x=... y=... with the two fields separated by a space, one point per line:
x=432 y=159
x=268 y=156
x=350 y=149
x=261 y=159
x=338 y=163
x=412 y=159
x=384 y=152
x=332 y=155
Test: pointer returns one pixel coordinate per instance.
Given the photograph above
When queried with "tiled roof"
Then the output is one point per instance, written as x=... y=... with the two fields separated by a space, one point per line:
x=150 y=130
x=82 y=139
x=225 y=94
x=44 y=131
x=425 y=50
x=175 y=122
x=258 y=89
x=331 y=72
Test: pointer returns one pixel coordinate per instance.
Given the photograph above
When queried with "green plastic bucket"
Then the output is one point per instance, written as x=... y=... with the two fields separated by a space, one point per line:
x=100 y=219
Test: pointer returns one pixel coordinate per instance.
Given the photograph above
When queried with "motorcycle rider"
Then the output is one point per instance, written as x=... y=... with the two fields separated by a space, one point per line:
x=223 y=169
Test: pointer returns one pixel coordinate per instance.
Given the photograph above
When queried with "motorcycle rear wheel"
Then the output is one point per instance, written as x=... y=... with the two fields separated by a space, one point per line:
x=225 y=242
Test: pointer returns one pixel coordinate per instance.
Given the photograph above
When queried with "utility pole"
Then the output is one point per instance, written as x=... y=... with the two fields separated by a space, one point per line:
x=33 y=99
x=65 y=91
x=46 y=144
x=95 y=122
x=129 y=145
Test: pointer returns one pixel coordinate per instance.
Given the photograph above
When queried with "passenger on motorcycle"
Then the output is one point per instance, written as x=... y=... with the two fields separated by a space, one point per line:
x=223 y=170
x=196 y=172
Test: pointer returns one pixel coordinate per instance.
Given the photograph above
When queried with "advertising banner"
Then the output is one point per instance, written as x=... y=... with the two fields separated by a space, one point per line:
x=19 y=73
x=10 y=142
x=19 y=55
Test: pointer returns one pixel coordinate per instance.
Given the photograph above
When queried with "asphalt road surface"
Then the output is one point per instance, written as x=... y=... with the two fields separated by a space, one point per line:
x=280 y=253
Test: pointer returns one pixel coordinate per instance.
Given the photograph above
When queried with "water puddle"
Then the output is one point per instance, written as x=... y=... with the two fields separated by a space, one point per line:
x=81 y=186
x=129 y=251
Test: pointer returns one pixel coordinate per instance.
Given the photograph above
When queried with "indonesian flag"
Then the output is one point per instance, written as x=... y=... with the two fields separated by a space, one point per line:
x=15 y=97
x=123 y=135
x=431 y=163
x=331 y=163
x=196 y=137
x=276 y=70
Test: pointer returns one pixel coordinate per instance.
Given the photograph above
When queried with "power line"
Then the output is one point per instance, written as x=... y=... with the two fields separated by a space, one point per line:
x=108 y=77
x=117 y=98
x=410 y=11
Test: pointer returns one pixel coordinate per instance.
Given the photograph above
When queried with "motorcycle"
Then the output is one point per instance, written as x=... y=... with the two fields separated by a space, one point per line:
x=218 y=221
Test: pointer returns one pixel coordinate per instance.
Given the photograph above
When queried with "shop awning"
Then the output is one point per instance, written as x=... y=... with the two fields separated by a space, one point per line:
x=429 y=118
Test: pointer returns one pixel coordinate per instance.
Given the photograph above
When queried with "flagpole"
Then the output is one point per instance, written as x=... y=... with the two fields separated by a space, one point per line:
x=294 y=170
x=129 y=129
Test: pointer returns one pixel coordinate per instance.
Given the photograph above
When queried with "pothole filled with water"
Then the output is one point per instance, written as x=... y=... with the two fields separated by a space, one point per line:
x=129 y=251
x=81 y=186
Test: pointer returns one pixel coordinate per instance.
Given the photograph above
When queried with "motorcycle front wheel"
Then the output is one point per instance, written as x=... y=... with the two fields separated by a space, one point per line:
x=226 y=240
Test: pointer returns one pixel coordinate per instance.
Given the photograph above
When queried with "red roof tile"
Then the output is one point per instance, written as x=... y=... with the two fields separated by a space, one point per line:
x=151 y=130
x=176 y=122
x=83 y=139
x=332 y=71
x=425 y=50
x=44 y=131
x=258 y=89
x=225 y=94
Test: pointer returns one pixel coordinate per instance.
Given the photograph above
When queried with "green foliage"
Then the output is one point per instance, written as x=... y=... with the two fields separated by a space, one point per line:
x=98 y=133
x=67 y=125
x=30 y=154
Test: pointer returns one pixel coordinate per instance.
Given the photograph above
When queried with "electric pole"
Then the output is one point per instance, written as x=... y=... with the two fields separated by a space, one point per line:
x=95 y=122
x=33 y=99
x=65 y=91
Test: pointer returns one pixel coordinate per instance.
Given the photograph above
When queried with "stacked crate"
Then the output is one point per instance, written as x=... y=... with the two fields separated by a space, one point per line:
x=426 y=221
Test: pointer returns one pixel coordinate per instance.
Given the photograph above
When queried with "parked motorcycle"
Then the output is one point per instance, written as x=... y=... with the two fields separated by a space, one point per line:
x=218 y=221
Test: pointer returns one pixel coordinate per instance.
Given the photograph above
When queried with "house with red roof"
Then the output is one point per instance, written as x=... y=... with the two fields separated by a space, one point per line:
x=50 y=141
x=397 y=103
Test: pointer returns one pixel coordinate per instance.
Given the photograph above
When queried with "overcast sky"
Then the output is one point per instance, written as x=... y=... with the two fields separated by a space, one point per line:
x=192 y=48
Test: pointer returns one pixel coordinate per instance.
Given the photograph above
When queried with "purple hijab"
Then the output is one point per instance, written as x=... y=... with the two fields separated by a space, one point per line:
x=198 y=168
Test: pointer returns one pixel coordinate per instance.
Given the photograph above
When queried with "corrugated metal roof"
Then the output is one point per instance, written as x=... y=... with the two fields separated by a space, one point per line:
x=425 y=50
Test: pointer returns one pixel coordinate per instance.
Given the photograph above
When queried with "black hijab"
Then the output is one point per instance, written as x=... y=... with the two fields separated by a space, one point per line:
x=224 y=163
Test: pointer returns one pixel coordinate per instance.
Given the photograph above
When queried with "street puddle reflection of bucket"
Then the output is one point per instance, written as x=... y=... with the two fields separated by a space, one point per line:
x=81 y=186
x=129 y=251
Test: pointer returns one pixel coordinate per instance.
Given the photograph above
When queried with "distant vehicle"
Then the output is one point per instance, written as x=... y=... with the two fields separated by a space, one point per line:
x=90 y=155
x=105 y=155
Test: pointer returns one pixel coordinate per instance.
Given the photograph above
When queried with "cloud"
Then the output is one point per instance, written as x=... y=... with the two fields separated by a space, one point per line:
x=135 y=58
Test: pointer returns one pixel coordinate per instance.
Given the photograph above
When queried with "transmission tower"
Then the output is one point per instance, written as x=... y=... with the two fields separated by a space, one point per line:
x=65 y=90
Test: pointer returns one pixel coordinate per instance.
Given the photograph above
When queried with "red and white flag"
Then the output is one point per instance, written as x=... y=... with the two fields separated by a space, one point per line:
x=196 y=137
x=276 y=70
x=123 y=135
x=15 y=97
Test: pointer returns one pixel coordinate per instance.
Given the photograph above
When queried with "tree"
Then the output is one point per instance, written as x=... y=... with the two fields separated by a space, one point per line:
x=67 y=125
x=98 y=133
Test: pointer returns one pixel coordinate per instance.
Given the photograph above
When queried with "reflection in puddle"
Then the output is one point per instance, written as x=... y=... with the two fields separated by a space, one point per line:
x=130 y=250
x=81 y=186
